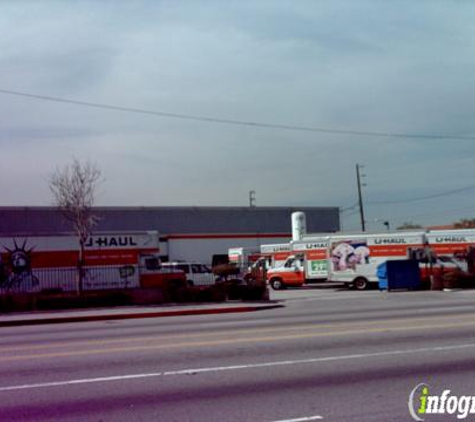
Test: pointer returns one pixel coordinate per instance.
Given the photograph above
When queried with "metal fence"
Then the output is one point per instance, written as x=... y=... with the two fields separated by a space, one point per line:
x=66 y=279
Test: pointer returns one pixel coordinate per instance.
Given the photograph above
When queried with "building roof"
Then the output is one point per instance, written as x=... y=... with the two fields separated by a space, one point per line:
x=172 y=220
x=443 y=227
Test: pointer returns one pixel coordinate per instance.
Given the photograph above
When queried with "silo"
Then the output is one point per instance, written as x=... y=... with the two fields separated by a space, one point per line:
x=299 y=225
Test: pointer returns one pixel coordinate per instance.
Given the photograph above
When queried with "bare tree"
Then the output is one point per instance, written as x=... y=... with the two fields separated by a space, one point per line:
x=74 y=188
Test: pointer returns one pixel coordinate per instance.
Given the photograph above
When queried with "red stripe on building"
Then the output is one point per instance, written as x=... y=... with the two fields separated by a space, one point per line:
x=228 y=236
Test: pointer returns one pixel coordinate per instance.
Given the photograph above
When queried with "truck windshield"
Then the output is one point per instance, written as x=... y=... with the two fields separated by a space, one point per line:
x=290 y=263
x=198 y=268
x=152 y=263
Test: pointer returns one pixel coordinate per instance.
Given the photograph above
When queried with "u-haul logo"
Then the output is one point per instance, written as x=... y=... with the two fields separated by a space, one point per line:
x=310 y=246
x=451 y=239
x=110 y=241
x=316 y=245
x=397 y=241
x=276 y=248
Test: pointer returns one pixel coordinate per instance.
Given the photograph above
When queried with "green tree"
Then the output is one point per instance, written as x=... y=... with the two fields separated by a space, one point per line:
x=409 y=225
x=465 y=223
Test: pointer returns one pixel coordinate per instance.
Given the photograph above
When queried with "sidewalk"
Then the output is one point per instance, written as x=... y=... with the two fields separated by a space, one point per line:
x=130 y=312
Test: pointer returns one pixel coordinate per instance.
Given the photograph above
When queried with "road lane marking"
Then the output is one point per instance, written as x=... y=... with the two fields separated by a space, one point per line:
x=304 y=419
x=235 y=367
x=219 y=342
x=386 y=324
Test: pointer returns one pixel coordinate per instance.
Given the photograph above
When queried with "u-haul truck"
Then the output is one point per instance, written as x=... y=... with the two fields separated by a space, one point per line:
x=306 y=263
x=454 y=243
x=276 y=253
x=273 y=255
x=453 y=250
x=350 y=259
x=253 y=261
x=111 y=261
x=353 y=259
x=243 y=257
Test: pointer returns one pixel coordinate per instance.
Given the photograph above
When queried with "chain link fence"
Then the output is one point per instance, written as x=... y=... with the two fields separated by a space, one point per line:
x=66 y=279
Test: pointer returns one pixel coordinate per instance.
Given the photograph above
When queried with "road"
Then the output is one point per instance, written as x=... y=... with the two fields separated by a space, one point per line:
x=328 y=355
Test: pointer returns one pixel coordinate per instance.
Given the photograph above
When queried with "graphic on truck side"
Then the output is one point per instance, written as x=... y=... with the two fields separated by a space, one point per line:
x=16 y=271
x=348 y=254
x=319 y=267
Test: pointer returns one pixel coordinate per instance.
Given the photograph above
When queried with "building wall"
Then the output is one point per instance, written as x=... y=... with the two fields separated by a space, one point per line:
x=202 y=248
x=173 y=220
x=188 y=233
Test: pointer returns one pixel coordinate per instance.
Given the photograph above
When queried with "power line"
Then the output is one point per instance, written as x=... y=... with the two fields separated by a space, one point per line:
x=345 y=209
x=446 y=212
x=421 y=198
x=352 y=213
x=420 y=215
x=212 y=119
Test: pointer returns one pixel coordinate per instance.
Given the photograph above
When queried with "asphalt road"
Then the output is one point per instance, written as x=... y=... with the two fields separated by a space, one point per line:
x=328 y=355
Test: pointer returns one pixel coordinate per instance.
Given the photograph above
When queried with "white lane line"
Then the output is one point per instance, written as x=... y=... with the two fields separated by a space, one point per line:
x=304 y=419
x=236 y=367
x=226 y=323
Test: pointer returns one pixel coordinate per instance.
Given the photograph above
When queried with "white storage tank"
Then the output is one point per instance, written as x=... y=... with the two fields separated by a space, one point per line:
x=299 y=225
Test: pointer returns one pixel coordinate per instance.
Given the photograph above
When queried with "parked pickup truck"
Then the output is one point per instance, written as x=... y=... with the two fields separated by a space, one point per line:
x=196 y=274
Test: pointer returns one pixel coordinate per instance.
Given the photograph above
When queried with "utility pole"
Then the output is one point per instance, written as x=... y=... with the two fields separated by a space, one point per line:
x=360 y=198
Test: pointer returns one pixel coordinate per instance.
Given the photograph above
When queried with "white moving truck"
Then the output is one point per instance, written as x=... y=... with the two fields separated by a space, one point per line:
x=112 y=261
x=351 y=259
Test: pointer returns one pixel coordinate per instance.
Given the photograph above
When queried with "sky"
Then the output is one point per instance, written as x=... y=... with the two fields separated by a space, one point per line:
x=348 y=69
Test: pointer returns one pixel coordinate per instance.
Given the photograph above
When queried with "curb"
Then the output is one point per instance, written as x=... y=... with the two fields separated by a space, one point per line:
x=322 y=286
x=141 y=315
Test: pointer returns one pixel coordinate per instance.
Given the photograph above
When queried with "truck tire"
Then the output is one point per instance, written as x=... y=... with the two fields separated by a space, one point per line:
x=190 y=283
x=361 y=283
x=276 y=284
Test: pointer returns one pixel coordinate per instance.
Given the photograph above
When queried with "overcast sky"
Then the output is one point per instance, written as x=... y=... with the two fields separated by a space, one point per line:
x=365 y=66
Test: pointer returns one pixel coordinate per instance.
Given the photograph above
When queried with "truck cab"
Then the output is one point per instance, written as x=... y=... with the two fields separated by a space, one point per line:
x=290 y=274
x=257 y=272
x=307 y=264
x=153 y=273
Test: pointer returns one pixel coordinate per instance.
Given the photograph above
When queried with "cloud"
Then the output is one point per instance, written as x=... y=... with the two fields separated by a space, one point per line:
x=400 y=67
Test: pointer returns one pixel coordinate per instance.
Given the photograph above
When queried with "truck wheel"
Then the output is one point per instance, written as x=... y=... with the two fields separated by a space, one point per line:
x=190 y=283
x=277 y=284
x=361 y=283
